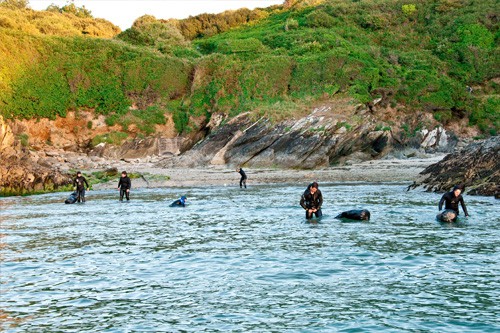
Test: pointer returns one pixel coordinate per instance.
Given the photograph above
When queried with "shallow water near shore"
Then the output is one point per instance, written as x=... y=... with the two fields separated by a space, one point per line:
x=248 y=261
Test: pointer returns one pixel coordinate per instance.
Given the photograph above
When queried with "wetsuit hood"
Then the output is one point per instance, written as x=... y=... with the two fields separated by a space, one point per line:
x=183 y=199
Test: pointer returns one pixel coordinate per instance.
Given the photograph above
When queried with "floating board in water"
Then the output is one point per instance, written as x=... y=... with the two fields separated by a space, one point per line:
x=447 y=215
x=72 y=198
x=355 y=214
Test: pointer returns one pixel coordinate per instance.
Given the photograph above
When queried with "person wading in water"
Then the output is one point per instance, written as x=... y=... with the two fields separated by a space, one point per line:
x=452 y=199
x=312 y=200
x=124 y=185
x=79 y=186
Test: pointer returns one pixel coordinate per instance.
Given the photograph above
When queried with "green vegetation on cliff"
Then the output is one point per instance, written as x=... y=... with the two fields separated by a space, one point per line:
x=421 y=55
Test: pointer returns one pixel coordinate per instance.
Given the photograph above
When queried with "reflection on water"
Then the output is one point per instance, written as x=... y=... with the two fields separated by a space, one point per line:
x=246 y=260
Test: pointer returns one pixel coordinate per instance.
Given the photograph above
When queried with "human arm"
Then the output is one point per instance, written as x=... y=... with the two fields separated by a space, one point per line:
x=320 y=200
x=303 y=202
x=442 y=201
x=464 y=208
x=87 y=184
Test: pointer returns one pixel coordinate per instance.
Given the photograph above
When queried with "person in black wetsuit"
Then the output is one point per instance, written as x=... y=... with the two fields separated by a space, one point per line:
x=79 y=183
x=312 y=200
x=243 y=179
x=179 y=202
x=452 y=199
x=124 y=185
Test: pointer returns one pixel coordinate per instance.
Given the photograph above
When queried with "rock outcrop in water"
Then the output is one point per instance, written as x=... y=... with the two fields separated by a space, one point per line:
x=19 y=171
x=477 y=166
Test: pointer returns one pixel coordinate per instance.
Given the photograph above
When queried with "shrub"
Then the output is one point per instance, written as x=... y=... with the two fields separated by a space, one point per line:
x=409 y=10
x=248 y=45
x=24 y=139
x=181 y=120
x=14 y=4
x=320 y=19
x=291 y=24
x=162 y=36
x=114 y=138
x=485 y=114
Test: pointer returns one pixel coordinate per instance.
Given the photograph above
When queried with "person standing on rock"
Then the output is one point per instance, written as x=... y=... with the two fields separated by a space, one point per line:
x=243 y=179
x=452 y=199
x=78 y=183
x=312 y=200
x=124 y=185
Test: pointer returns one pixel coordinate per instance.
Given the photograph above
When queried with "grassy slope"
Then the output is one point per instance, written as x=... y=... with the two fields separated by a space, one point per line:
x=422 y=57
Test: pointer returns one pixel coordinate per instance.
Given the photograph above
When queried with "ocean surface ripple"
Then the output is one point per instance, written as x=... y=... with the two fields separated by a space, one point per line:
x=248 y=261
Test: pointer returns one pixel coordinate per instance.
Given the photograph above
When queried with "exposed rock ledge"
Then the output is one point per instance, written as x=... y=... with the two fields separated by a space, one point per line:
x=477 y=166
x=322 y=139
x=20 y=171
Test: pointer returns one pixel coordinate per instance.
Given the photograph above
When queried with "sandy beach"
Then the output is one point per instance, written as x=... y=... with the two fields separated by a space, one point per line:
x=385 y=170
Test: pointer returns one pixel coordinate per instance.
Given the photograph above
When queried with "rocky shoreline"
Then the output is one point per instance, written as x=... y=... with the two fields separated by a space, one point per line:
x=477 y=166
x=318 y=147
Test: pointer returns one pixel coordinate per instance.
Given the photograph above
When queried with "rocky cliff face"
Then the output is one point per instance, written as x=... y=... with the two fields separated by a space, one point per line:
x=323 y=138
x=477 y=166
x=334 y=133
x=19 y=171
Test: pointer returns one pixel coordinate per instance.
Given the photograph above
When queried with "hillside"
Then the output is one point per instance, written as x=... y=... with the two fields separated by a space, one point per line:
x=274 y=62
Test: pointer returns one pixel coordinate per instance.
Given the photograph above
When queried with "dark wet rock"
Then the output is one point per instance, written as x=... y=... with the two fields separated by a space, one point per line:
x=355 y=214
x=477 y=166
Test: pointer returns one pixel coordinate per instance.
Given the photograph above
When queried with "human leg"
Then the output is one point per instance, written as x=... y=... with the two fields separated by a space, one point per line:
x=122 y=192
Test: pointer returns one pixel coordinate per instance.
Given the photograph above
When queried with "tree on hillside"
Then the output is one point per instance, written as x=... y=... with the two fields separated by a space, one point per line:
x=301 y=3
x=69 y=8
x=211 y=24
x=14 y=4
x=148 y=31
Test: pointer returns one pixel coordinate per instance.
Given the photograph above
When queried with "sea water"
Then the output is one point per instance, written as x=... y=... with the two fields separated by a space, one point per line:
x=246 y=260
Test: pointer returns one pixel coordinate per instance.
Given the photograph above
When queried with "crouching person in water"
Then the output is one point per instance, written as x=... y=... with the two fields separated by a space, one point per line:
x=452 y=199
x=124 y=185
x=311 y=201
x=79 y=183
x=179 y=202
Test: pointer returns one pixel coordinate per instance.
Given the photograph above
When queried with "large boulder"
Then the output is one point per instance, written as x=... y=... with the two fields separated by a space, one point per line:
x=477 y=166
